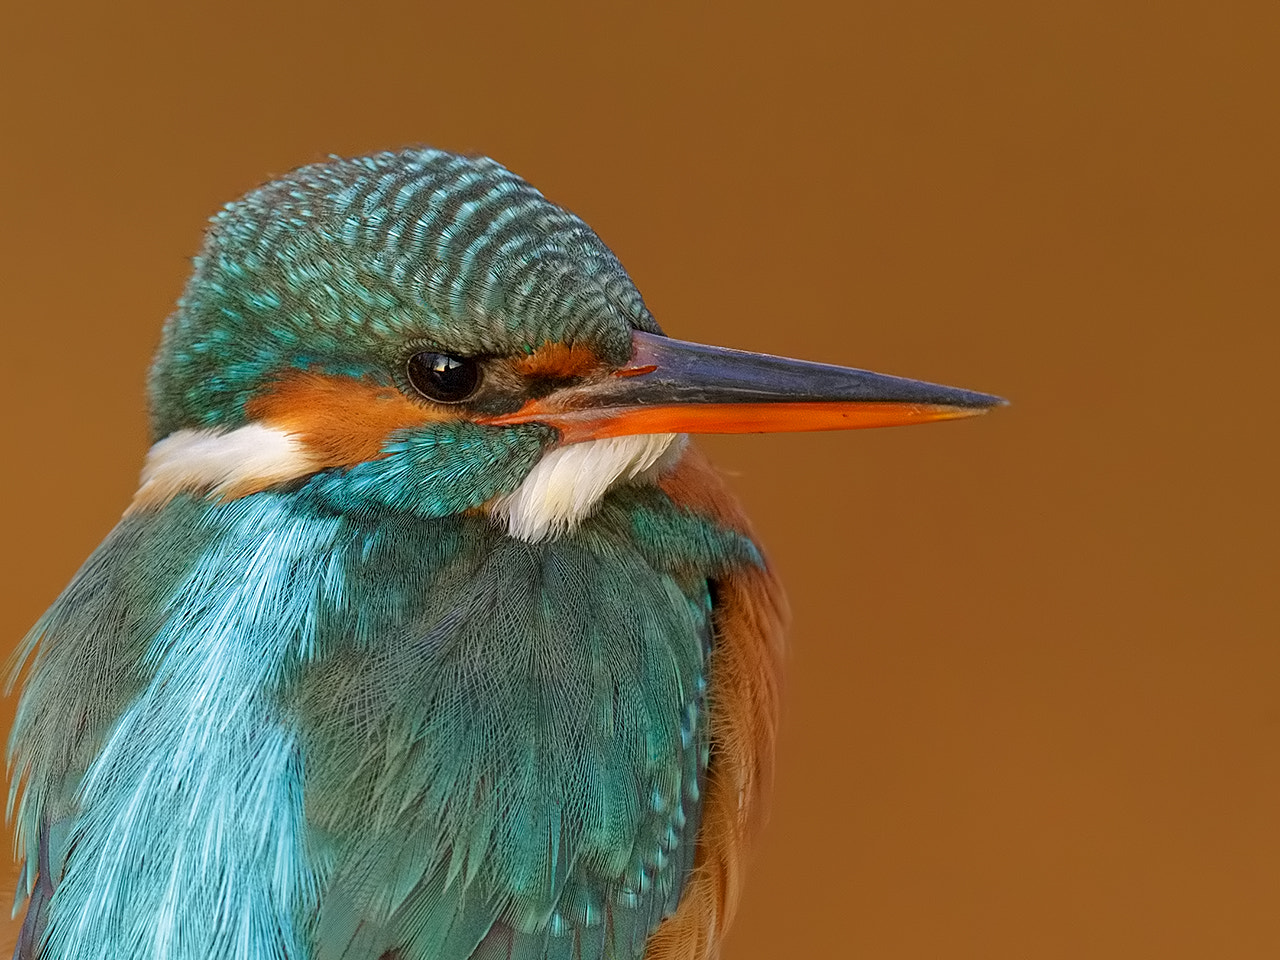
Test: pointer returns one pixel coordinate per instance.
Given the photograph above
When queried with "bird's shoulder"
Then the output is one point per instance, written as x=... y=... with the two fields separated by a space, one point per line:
x=514 y=762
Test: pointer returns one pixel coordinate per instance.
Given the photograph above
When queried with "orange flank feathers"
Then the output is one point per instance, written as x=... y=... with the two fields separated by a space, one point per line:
x=343 y=421
x=745 y=674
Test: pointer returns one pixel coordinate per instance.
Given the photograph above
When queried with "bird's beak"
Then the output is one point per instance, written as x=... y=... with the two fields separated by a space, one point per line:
x=672 y=386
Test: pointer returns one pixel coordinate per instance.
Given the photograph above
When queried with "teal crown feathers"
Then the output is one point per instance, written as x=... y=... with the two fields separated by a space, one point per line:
x=451 y=251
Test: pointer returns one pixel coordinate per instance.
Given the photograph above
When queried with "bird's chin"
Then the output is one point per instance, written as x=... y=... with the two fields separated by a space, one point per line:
x=568 y=483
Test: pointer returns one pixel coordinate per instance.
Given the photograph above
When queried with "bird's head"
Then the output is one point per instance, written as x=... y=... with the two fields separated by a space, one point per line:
x=425 y=332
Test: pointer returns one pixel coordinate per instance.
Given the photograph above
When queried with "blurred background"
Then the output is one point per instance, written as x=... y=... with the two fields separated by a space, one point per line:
x=1034 y=703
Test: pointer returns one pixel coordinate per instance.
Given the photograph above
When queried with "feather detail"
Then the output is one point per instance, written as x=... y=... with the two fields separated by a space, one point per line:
x=567 y=484
x=744 y=679
x=341 y=421
x=187 y=838
x=506 y=743
x=509 y=759
x=558 y=361
x=224 y=464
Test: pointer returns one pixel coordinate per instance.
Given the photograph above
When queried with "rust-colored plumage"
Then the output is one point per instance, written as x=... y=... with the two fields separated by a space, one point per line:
x=341 y=420
x=558 y=361
x=750 y=618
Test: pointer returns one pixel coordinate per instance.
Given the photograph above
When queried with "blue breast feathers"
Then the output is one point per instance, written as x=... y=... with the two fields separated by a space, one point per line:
x=266 y=729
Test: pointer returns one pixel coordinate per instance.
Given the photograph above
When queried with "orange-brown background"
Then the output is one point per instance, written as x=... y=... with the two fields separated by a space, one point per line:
x=1034 y=700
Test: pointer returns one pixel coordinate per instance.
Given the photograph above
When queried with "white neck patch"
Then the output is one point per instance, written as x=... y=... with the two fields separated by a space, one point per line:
x=561 y=490
x=252 y=457
x=565 y=486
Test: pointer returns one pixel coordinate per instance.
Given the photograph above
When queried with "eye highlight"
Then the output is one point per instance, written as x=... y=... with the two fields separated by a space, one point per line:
x=442 y=377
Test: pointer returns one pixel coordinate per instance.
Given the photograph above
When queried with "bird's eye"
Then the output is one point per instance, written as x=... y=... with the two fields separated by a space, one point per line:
x=443 y=378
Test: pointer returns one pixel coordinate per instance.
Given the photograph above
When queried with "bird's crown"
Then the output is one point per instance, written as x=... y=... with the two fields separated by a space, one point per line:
x=351 y=265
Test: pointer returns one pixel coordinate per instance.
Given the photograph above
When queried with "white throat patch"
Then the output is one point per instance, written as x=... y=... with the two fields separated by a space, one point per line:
x=565 y=486
x=561 y=490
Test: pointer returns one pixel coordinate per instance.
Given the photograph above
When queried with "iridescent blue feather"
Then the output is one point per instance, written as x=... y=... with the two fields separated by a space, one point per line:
x=346 y=735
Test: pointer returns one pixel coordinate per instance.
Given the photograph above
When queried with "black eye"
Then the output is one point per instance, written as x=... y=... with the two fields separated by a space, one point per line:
x=440 y=377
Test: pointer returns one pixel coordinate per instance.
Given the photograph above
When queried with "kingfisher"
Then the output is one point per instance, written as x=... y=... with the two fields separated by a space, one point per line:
x=428 y=635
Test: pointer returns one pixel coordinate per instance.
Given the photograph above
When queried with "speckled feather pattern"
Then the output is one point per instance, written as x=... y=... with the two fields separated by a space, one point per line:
x=339 y=265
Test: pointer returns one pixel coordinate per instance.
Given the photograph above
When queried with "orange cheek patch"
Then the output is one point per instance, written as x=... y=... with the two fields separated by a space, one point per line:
x=558 y=361
x=342 y=420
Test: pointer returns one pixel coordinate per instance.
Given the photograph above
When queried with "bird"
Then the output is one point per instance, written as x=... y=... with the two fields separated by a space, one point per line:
x=428 y=634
